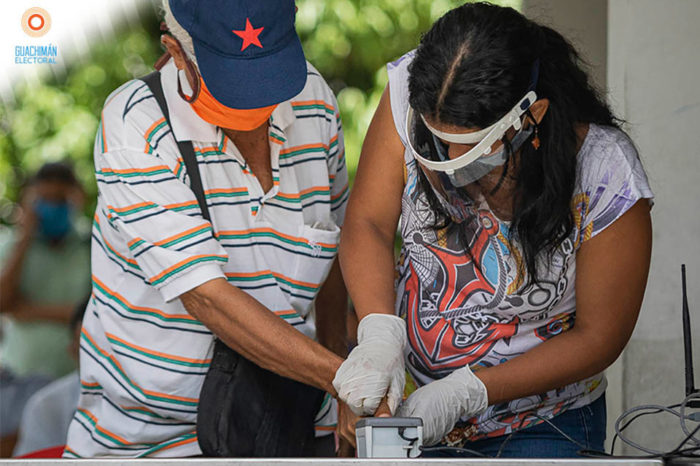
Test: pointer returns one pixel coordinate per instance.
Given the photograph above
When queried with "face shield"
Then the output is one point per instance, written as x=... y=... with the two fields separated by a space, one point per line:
x=448 y=176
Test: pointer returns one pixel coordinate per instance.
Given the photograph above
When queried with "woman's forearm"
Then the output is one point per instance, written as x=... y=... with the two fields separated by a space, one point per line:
x=367 y=259
x=251 y=329
x=566 y=358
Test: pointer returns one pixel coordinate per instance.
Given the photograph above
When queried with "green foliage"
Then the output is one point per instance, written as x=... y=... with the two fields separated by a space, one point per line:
x=349 y=41
x=57 y=119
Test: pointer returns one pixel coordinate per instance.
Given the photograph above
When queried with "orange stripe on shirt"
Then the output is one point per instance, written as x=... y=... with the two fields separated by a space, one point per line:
x=181 y=263
x=302 y=147
x=152 y=127
x=177 y=444
x=207 y=149
x=180 y=204
x=141 y=308
x=158 y=353
x=104 y=137
x=275 y=232
x=342 y=191
x=296 y=282
x=86 y=384
x=129 y=207
x=116 y=363
x=136 y=170
x=184 y=233
x=314 y=102
x=226 y=190
x=105 y=431
x=113 y=250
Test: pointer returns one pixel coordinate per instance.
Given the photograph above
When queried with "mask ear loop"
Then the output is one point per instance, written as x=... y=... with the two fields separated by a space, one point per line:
x=536 y=138
x=191 y=70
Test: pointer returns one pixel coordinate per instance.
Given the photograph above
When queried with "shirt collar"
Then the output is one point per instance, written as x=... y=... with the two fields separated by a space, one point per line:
x=188 y=126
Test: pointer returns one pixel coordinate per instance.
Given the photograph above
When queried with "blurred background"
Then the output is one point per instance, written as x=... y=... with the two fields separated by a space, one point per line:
x=642 y=53
x=53 y=115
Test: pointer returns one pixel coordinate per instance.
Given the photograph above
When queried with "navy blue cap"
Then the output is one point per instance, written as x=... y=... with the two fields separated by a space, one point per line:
x=248 y=51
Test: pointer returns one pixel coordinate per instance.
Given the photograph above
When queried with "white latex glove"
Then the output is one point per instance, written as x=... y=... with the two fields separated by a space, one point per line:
x=375 y=367
x=442 y=402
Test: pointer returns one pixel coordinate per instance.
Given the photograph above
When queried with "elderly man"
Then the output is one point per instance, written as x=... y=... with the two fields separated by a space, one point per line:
x=266 y=132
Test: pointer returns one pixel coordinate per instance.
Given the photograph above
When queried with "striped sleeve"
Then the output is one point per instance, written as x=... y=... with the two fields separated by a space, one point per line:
x=156 y=223
x=337 y=168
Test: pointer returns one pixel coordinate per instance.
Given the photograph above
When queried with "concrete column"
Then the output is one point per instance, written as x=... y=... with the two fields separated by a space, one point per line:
x=584 y=23
x=653 y=70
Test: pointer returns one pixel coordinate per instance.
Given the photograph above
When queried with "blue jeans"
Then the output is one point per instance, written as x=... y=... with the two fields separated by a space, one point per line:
x=586 y=425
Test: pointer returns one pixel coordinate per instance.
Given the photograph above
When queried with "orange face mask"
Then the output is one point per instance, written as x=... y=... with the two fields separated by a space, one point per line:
x=212 y=111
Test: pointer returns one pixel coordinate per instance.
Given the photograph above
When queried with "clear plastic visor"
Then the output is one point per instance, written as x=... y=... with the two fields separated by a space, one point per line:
x=429 y=144
x=448 y=176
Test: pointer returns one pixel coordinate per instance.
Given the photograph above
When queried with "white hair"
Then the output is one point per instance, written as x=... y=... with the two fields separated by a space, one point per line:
x=178 y=31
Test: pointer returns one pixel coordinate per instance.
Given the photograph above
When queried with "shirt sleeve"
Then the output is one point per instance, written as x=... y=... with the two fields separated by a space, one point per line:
x=337 y=168
x=397 y=72
x=612 y=180
x=155 y=223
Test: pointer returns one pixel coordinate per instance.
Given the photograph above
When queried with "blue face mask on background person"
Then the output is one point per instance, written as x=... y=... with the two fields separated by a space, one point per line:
x=54 y=219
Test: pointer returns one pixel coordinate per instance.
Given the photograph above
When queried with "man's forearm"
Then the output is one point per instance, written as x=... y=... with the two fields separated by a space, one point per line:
x=250 y=328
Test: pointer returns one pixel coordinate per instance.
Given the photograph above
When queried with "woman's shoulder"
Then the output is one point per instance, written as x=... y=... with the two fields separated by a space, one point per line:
x=607 y=154
x=398 y=73
x=610 y=177
x=603 y=141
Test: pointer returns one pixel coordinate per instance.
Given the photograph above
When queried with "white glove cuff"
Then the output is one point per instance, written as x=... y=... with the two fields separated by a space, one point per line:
x=384 y=327
x=478 y=399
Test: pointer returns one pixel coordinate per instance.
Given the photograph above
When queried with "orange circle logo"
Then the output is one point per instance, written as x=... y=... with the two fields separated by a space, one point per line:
x=36 y=22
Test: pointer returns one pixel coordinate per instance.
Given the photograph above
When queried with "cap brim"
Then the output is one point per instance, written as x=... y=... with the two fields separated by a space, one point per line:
x=253 y=82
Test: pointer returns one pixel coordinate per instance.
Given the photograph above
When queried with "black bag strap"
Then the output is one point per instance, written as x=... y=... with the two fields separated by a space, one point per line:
x=152 y=80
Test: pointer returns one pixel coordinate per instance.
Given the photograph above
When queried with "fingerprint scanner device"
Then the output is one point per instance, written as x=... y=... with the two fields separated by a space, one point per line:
x=389 y=437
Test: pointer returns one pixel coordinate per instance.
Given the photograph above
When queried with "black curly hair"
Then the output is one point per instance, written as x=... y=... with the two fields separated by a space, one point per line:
x=470 y=69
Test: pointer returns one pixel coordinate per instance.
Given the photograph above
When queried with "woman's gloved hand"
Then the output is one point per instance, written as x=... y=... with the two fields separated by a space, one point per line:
x=375 y=367
x=442 y=402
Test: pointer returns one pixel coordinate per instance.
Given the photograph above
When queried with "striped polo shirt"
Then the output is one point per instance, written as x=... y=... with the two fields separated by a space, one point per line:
x=143 y=358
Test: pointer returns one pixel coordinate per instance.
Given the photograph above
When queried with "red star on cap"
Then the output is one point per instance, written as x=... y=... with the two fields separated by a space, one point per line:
x=249 y=35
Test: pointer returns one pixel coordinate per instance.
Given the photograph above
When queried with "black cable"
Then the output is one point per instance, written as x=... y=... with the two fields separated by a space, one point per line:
x=456 y=449
x=561 y=432
x=412 y=441
x=679 y=448
x=505 y=442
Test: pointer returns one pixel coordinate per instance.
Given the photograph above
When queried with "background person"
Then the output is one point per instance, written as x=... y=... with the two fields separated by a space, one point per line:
x=45 y=271
x=523 y=266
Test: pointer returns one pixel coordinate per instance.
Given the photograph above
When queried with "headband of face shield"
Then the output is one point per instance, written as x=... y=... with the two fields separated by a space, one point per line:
x=447 y=176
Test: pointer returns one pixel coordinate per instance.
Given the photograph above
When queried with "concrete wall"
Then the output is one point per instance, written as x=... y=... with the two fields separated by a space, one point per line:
x=645 y=54
x=653 y=76
x=584 y=23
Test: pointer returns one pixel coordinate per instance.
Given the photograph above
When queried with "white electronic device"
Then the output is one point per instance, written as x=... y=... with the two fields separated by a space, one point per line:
x=389 y=437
